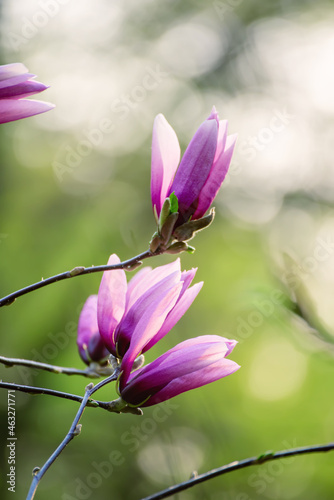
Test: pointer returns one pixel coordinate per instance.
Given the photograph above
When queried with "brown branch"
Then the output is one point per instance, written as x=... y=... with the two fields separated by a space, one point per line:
x=74 y=431
x=241 y=464
x=78 y=271
x=88 y=372
x=51 y=392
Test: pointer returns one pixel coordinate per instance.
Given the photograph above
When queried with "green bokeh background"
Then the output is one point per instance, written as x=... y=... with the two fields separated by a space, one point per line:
x=54 y=220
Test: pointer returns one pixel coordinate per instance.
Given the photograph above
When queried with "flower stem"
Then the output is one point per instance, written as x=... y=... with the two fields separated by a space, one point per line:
x=74 y=431
x=241 y=464
x=77 y=271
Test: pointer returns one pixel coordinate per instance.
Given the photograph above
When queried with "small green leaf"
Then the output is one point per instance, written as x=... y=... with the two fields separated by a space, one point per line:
x=174 y=203
x=190 y=249
x=265 y=456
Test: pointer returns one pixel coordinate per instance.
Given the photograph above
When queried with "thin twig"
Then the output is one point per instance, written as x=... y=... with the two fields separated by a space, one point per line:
x=77 y=271
x=241 y=464
x=74 y=431
x=88 y=372
x=51 y=392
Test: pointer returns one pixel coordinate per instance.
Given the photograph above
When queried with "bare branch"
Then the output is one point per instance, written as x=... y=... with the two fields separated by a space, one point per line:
x=88 y=372
x=241 y=464
x=75 y=430
x=51 y=392
x=129 y=265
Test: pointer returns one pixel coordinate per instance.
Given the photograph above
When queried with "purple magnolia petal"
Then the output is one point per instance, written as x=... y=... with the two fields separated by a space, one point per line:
x=195 y=165
x=165 y=159
x=180 y=359
x=8 y=71
x=111 y=302
x=15 y=80
x=152 y=307
x=184 y=302
x=15 y=84
x=221 y=140
x=179 y=309
x=188 y=365
x=203 y=376
x=187 y=277
x=215 y=179
x=89 y=341
x=149 y=323
x=21 y=90
x=198 y=345
x=214 y=115
x=135 y=281
x=147 y=280
x=15 y=109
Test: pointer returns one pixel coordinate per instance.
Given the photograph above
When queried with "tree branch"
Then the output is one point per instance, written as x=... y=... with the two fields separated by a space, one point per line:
x=75 y=430
x=241 y=464
x=77 y=271
x=51 y=392
x=88 y=372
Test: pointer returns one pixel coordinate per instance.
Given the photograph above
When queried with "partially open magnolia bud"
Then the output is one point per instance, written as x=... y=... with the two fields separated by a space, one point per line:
x=188 y=186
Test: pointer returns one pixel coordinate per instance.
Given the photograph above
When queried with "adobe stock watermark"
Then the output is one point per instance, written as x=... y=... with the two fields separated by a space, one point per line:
x=300 y=271
x=294 y=277
x=130 y=442
x=263 y=309
x=120 y=109
x=223 y=8
x=266 y=474
x=253 y=145
x=50 y=350
x=257 y=143
x=30 y=26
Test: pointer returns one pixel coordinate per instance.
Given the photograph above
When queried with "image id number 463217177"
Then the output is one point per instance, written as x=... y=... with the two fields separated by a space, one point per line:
x=11 y=442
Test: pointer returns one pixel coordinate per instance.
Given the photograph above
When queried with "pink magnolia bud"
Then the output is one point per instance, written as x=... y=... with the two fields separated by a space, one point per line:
x=201 y=172
x=190 y=364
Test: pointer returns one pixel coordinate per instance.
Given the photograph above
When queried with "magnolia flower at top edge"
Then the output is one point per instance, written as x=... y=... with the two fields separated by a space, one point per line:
x=189 y=365
x=182 y=193
x=16 y=83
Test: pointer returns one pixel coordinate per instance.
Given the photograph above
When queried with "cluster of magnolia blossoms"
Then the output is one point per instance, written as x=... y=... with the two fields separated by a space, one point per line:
x=16 y=83
x=127 y=319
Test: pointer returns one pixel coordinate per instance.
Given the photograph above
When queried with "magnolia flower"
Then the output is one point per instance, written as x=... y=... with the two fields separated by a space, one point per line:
x=190 y=364
x=89 y=341
x=182 y=194
x=132 y=317
x=16 y=84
